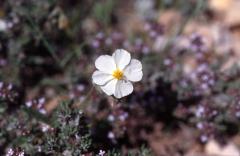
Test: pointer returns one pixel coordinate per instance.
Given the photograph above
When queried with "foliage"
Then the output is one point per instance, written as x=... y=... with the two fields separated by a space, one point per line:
x=47 y=102
x=66 y=132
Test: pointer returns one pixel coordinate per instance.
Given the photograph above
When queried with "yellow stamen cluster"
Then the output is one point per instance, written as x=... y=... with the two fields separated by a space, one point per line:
x=118 y=74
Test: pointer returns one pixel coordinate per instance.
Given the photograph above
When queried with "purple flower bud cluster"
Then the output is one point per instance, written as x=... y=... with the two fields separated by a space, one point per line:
x=205 y=112
x=77 y=91
x=139 y=44
x=204 y=78
x=3 y=62
x=15 y=152
x=198 y=46
x=112 y=40
x=37 y=104
x=111 y=136
x=118 y=114
x=235 y=107
x=169 y=62
x=10 y=93
x=153 y=29
x=117 y=118
x=140 y=47
x=116 y=40
x=205 y=116
x=45 y=127
x=207 y=131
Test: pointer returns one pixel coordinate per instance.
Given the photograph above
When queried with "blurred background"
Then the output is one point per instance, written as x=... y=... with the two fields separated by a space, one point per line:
x=188 y=103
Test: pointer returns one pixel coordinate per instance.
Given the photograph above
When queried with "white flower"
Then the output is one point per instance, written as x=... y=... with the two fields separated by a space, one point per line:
x=115 y=73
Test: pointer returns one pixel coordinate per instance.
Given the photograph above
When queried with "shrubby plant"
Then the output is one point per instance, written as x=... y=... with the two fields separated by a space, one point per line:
x=52 y=100
x=65 y=133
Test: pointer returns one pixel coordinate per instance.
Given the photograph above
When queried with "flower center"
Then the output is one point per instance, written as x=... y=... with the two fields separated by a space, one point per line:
x=118 y=74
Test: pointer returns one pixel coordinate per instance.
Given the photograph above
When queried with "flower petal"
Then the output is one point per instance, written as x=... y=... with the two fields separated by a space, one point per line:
x=123 y=88
x=122 y=58
x=133 y=72
x=110 y=87
x=101 y=78
x=105 y=63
